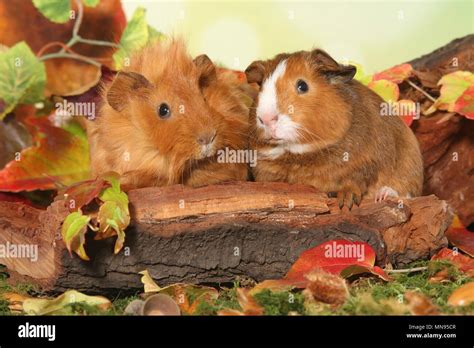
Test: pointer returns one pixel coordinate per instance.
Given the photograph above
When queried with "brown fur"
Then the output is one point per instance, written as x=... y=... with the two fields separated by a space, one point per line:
x=130 y=138
x=338 y=116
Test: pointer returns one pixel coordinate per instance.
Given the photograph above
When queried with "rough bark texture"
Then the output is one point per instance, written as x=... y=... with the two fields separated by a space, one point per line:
x=447 y=146
x=214 y=233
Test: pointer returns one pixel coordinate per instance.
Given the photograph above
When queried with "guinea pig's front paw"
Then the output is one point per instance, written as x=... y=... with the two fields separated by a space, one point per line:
x=349 y=196
x=384 y=192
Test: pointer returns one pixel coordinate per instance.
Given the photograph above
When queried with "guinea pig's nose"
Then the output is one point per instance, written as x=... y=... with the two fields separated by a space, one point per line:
x=206 y=138
x=268 y=119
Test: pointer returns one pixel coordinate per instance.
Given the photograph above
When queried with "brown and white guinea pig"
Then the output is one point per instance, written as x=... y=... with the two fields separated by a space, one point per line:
x=162 y=119
x=313 y=124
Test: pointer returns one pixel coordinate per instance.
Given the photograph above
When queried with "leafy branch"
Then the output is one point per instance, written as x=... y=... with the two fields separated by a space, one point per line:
x=76 y=38
x=25 y=73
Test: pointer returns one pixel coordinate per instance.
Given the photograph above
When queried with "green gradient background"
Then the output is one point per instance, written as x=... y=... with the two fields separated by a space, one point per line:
x=376 y=34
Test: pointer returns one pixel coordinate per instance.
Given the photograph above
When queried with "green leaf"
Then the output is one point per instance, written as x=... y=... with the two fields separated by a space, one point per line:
x=91 y=3
x=61 y=305
x=110 y=194
x=114 y=217
x=23 y=77
x=73 y=232
x=360 y=75
x=154 y=35
x=134 y=37
x=57 y=11
x=388 y=90
x=453 y=86
x=113 y=179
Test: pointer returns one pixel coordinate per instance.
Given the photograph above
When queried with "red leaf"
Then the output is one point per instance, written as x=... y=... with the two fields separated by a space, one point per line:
x=460 y=237
x=56 y=158
x=463 y=262
x=82 y=193
x=340 y=257
x=464 y=105
x=396 y=74
x=408 y=111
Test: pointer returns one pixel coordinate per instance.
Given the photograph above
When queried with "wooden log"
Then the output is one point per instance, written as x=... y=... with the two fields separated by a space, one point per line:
x=447 y=146
x=215 y=233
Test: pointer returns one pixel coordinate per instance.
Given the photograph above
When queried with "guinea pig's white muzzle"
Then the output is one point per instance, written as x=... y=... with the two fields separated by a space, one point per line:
x=278 y=127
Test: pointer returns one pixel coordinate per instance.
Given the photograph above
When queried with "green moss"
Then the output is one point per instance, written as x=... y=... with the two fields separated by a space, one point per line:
x=4 y=310
x=227 y=300
x=280 y=303
x=368 y=296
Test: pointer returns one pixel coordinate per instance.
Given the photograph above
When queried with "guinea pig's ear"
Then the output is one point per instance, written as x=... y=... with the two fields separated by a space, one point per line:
x=255 y=72
x=206 y=69
x=334 y=71
x=123 y=87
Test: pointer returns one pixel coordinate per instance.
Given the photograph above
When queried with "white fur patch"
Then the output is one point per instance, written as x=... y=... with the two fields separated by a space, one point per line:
x=272 y=153
x=279 y=150
x=300 y=148
x=267 y=99
x=285 y=129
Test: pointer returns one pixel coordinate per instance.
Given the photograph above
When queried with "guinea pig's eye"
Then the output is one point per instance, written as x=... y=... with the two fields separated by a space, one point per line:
x=301 y=87
x=164 y=111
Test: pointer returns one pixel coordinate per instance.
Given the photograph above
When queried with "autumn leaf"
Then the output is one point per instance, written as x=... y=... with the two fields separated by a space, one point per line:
x=386 y=89
x=148 y=282
x=154 y=35
x=23 y=77
x=57 y=158
x=248 y=304
x=73 y=232
x=460 y=237
x=15 y=301
x=464 y=105
x=419 y=304
x=61 y=305
x=187 y=296
x=57 y=11
x=464 y=263
x=408 y=111
x=340 y=257
x=134 y=37
x=114 y=215
x=80 y=194
x=104 y=22
x=453 y=86
x=396 y=74
x=462 y=296
x=361 y=75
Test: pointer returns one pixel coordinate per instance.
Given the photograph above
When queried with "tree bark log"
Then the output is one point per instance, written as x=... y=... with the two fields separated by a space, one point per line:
x=214 y=233
x=447 y=146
